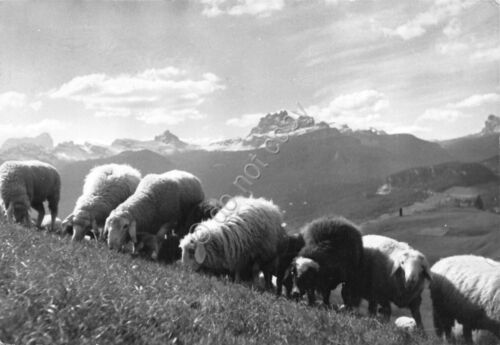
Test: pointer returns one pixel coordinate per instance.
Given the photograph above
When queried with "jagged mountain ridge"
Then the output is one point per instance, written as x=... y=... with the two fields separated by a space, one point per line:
x=43 y=140
x=282 y=124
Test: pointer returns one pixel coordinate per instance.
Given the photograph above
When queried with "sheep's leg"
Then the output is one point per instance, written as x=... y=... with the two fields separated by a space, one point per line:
x=438 y=324
x=10 y=213
x=467 y=330
x=237 y=277
x=279 y=284
x=268 y=274
x=415 y=311
x=351 y=296
x=41 y=214
x=54 y=208
x=386 y=310
x=326 y=296
x=372 y=302
x=311 y=296
x=288 y=283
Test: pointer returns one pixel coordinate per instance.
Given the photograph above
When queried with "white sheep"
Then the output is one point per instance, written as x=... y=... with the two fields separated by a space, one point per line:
x=466 y=288
x=244 y=236
x=26 y=184
x=393 y=272
x=105 y=187
x=159 y=200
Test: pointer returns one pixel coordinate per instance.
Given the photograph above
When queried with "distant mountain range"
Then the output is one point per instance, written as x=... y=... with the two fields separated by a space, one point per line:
x=309 y=169
x=476 y=147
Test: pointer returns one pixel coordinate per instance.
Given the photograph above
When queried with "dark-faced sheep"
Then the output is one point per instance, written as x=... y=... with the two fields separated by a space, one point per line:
x=393 y=272
x=164 y=246
x=466 y=288
x=333 y=254
x=26 y=184
x=105 y=187
x=159 y=200
x=294 y=244
x=244 y=236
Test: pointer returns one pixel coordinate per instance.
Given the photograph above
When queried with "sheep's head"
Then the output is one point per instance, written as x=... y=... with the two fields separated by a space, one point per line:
x=19 y=212
x=194 y=253
x=164 y=247
x=304 y=273
x=120 y=227
x=413 y=268
x=146 y=244
x=83 y=223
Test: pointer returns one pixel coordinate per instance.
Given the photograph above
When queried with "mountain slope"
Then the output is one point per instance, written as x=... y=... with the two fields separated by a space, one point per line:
x=476 y=147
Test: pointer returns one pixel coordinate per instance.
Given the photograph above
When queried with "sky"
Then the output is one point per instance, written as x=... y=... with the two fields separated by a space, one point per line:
x=207 y=70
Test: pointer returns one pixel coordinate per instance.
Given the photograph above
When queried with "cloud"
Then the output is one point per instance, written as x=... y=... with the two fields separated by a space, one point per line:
x=30 y=129
x=354 y=109
x=491 y=54
x=475 y=101
x=452 y=112
x=452 y=48
x=246 y=120
x=258 y=8
x=453 y=29
x=440 y=114
x=154 y=96
x=12 y=100
x=439 y=12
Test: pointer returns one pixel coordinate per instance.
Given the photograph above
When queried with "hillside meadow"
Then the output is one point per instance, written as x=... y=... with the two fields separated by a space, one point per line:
x=56 y=292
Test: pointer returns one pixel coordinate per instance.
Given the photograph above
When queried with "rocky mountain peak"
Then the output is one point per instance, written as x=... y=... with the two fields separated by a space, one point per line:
x=169 y=138
x=282 y=120
x=43 y=140
x=491 y=125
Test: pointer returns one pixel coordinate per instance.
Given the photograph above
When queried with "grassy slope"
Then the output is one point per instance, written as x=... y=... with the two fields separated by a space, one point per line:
x=54 y=292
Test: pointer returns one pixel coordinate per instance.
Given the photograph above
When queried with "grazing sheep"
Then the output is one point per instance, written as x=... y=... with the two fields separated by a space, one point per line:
x=294 y=244
x=26 y=184
x=205 y=210
x=162 y=247
x=466 y=288
x=243 y=237
x=105 y=187
x=406 y=323
x=159 y=200
x=393 y=272
x=333 y=254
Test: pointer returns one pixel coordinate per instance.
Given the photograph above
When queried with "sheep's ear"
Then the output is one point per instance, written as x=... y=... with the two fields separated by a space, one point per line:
x=200 y=253
x=132 y=230
x=395 y=267
x=164 y=231
x=67 y=223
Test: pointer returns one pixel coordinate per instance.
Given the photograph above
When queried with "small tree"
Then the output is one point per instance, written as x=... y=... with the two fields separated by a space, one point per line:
x=479 y=203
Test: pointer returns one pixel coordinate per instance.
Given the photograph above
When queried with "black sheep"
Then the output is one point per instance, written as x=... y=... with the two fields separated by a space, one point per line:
x=333 y=254
x=206 y=209
x=283 y=273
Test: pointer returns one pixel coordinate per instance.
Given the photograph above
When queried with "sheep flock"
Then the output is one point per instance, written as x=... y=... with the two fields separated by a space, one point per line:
x=167 y=217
